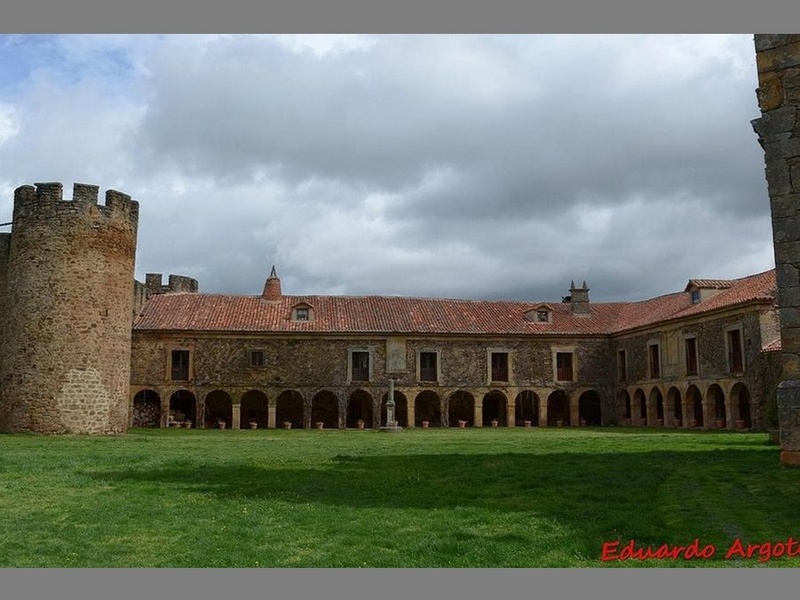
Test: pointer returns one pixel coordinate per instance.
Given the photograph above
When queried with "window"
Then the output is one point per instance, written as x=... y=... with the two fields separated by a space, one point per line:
x=735 y=356
x=543 y=316
x=499 y=363
x=564 y=366
x=428 y=367
x=655 y=361
x=180 y=365
x=301 y=314
x=359 y=366
x=695 y=296
x=256 y=358
x=690 y=345
x=622 y=366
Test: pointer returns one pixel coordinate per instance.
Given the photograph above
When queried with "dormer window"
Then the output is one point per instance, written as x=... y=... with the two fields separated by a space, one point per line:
x=302 y=312
x=539 y=314
x=695 y=296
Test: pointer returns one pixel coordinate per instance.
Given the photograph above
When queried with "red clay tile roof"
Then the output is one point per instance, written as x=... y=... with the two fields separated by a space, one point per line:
x=713 y=284
x=402 y=315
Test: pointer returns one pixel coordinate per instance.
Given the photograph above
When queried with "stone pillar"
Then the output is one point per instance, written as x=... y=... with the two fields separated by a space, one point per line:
x=778 y=129
x=574 y=412
x=271 y=415
x=411 y=409
x=236 y=415
x=543 y=410
x=477 y=413
x=511 y=413
x=669 y=413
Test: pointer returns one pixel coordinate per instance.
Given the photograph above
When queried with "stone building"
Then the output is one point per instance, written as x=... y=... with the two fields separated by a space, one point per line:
x=702 y=357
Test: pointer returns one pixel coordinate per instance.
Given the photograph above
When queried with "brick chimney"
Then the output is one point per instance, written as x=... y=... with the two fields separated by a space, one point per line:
x=272 y=287
x=579 y=299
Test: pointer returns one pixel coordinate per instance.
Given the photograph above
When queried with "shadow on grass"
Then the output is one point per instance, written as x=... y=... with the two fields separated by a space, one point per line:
x=655 y=497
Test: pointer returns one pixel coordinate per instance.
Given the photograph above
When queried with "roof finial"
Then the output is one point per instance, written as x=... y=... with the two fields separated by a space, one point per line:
x=273 y=273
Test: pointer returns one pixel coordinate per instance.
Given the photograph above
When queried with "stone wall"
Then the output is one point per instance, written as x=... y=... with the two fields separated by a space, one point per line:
x=778 y=129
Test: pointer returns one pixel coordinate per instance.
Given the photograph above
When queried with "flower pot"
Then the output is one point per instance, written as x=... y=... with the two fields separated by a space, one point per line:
x=425 y=424
x=677 y=422
x=583 y=422
x=740 y=424
x=287 y=424
x=628 y=421
x=187 y=424
x=659 y=422
x=222 y=424
x=692 y=423
x=360 y=424
x=320 y=424
x=559 y=423
x=527 y=423
x=462 y=424
x=720 y=423
x=495 y=423
x=253 y=425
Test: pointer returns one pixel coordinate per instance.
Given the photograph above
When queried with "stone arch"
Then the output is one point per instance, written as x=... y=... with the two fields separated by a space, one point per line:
x=693 y=401
x=400 y=408
x=674 y=407
x=526 y=408
x=428 y=407
x=183 y=406
x=639 y=407
x=655 y=407
x=740 y=403
x=147 y=409
x=495 y=406
x=625 y=406
x=590 y=410
x=359 y=407
x=253 y=408
x=461 y=407
x=325 y=409
x=558 y=408
x=218 y=407
x=289 y=409
x=715 y=400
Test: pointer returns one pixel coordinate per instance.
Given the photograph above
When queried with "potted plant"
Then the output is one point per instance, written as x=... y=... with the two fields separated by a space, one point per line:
x=360 y=423
x=253 y=424
x=221 y=424
x=495 y=422
x=527 y=423
x=287 y=424
x=559 y=423
x=692 y=423
x=720 y=423
x=187 y=424
x=462 y=424
x=740 y=423
x=425 y=424
x=320 y=424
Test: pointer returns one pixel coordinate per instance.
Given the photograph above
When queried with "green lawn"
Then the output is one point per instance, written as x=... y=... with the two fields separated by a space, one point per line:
x=525 y=497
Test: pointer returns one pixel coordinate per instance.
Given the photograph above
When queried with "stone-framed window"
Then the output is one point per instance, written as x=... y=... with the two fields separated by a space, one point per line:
x=691 y=361
x=734 y=349
x=359 y=365
x=622 y=366
x=428 y=366
x=257 y=358
x=654 y=360
x=180 y=364
x=498 y=365
x=564 y=366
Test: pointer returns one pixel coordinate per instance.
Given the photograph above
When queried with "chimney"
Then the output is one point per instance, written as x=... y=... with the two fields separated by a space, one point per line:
x=579 y=299
x=272 y=287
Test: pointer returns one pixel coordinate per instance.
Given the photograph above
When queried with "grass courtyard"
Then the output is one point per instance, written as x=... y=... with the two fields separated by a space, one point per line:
x=524 y=497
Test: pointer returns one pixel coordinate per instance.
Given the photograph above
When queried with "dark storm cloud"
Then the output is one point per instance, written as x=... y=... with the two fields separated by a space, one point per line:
x=471 y=166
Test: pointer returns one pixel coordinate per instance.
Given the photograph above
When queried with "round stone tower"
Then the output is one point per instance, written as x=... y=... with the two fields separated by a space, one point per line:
x=65 y=356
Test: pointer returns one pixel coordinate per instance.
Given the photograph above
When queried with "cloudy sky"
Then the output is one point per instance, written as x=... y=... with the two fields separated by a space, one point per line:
x=426 y=165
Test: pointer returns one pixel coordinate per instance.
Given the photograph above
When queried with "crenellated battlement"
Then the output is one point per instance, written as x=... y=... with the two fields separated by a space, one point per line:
x=46 y=201
x=177 y=283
